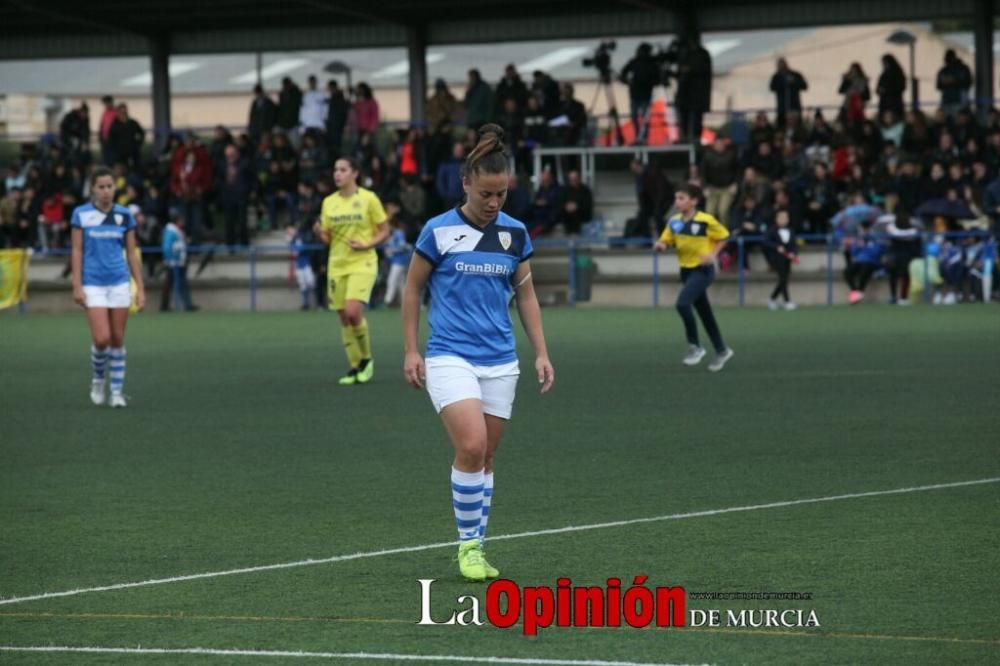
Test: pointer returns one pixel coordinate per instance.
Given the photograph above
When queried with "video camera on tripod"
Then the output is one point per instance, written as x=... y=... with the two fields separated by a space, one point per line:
x=669 y=59
x=601 y=60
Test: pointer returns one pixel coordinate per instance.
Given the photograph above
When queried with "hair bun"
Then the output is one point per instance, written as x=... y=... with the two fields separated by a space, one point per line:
x=490 y=128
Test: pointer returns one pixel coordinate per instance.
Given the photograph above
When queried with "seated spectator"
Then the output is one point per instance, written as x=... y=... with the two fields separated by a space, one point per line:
x=518 y=203
x=748 y=223
x=312 y=157
x=866 y=258
x=935 y=184
x=413 y=200
x=946 y=150
x=891 y=128
x=916 y=139
x=545 y=205
x=448 y=180
x=765 y=162
x=762 y=131
x=958 y=182
x=821 y=199
x=576 y=204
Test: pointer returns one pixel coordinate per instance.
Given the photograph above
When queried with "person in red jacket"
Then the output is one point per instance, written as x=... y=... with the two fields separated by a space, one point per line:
x=365 y=111
x=191 y=177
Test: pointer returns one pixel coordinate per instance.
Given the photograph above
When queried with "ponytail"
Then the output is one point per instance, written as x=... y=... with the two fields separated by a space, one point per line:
x=490 y=154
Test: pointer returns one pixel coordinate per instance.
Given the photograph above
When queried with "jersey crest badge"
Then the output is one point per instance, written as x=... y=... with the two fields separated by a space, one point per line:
x=695 y=228
x=677 y=226
x=504 y=237
x=119 y=219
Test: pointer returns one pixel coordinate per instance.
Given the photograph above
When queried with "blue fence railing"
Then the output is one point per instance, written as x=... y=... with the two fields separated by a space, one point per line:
x=580 y=267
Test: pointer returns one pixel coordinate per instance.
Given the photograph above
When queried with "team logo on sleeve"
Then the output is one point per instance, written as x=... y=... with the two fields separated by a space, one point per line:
x=677 y=226
x=504 y=237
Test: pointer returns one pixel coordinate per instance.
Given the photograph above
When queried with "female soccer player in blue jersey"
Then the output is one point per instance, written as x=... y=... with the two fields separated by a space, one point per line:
x=473 y=258
x=103 y=236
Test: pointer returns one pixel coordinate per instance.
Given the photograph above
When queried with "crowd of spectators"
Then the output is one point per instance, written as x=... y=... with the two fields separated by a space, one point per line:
x=276 y=173
x=841 y=172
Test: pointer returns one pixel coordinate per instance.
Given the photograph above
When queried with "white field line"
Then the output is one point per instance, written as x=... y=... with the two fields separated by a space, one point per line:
x=519 y=535
x=331 y=655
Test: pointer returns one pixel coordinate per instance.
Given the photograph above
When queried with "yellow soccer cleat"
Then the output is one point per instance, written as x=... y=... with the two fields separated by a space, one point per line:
x=471 y=563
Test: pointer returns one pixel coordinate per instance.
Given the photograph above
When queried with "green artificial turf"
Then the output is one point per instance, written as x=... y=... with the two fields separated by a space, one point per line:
x=238 y=449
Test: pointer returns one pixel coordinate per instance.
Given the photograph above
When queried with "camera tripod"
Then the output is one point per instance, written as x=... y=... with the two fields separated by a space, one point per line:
x=604 y=83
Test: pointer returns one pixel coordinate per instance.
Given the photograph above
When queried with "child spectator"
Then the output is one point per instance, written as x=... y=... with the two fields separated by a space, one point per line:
x=781 y=247
x=175 y=259
x=304 y=275
x=398 y=251
x=904 y=247
x=866 y=258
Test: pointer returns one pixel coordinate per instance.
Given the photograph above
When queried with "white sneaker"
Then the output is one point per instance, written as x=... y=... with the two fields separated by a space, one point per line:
x=720 y=360
x=903 y=301
x=772 y=304
x=949 y=299
x=97 y=391
x=694 y=355
x=118 y=400
x=790 y=305
x=937 y=299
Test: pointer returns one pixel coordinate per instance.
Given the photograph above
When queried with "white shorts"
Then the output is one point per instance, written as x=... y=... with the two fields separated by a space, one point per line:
x=115 y=296
x=306 y=278
x=450 y=379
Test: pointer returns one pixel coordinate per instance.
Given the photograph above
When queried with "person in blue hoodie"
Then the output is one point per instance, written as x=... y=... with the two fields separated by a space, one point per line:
x=174 y=246
x=298 y=243
x=398 y=252
x=866 y=258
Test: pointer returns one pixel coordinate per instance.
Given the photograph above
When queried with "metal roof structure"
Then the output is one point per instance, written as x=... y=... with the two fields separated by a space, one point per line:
x=46 y=28
x=34 y=29
x=195 y=74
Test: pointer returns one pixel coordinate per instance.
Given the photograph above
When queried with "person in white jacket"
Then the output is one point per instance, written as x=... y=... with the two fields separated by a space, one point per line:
x=312 y=113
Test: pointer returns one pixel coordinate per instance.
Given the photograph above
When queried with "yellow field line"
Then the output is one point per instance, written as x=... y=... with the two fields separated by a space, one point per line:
x=375 y=620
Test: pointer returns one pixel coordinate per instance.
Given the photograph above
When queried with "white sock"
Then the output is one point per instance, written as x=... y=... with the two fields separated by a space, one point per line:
x=467 y=500
x=487 y=500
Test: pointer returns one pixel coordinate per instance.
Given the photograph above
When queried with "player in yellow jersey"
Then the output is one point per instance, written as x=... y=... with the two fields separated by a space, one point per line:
x=352 y=222
x=698 y=238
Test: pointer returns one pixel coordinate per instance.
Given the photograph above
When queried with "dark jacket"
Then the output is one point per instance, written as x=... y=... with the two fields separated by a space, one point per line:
x=235 y=188
x=773 y=242
x=289 y=103
x=263 y=114
x=787 y=87
x=719 y=169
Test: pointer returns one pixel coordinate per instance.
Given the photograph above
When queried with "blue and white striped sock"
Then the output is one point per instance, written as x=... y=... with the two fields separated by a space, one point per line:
x=487 y=500
x=117 y=357
x=467 y=499
x=98 y=362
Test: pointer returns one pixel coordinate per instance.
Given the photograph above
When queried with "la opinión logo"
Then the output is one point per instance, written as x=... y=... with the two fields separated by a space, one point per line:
x=566 y=605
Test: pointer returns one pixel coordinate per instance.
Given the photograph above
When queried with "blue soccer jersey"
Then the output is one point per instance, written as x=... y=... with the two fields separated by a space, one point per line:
x=471 y=285
x=103 y=244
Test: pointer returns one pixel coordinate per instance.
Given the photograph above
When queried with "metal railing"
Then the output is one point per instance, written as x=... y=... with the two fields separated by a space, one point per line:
x=575 y=249
x=589 y=154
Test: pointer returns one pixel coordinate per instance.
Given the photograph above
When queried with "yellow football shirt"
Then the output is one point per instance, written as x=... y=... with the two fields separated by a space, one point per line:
x=354 y=218
x=693 y=239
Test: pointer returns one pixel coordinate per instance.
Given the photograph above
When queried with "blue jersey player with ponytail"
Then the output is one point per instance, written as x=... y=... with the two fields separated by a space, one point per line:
x=473 y=259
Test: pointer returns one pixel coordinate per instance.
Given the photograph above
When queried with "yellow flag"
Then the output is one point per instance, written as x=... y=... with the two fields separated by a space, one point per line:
x=13 y=277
